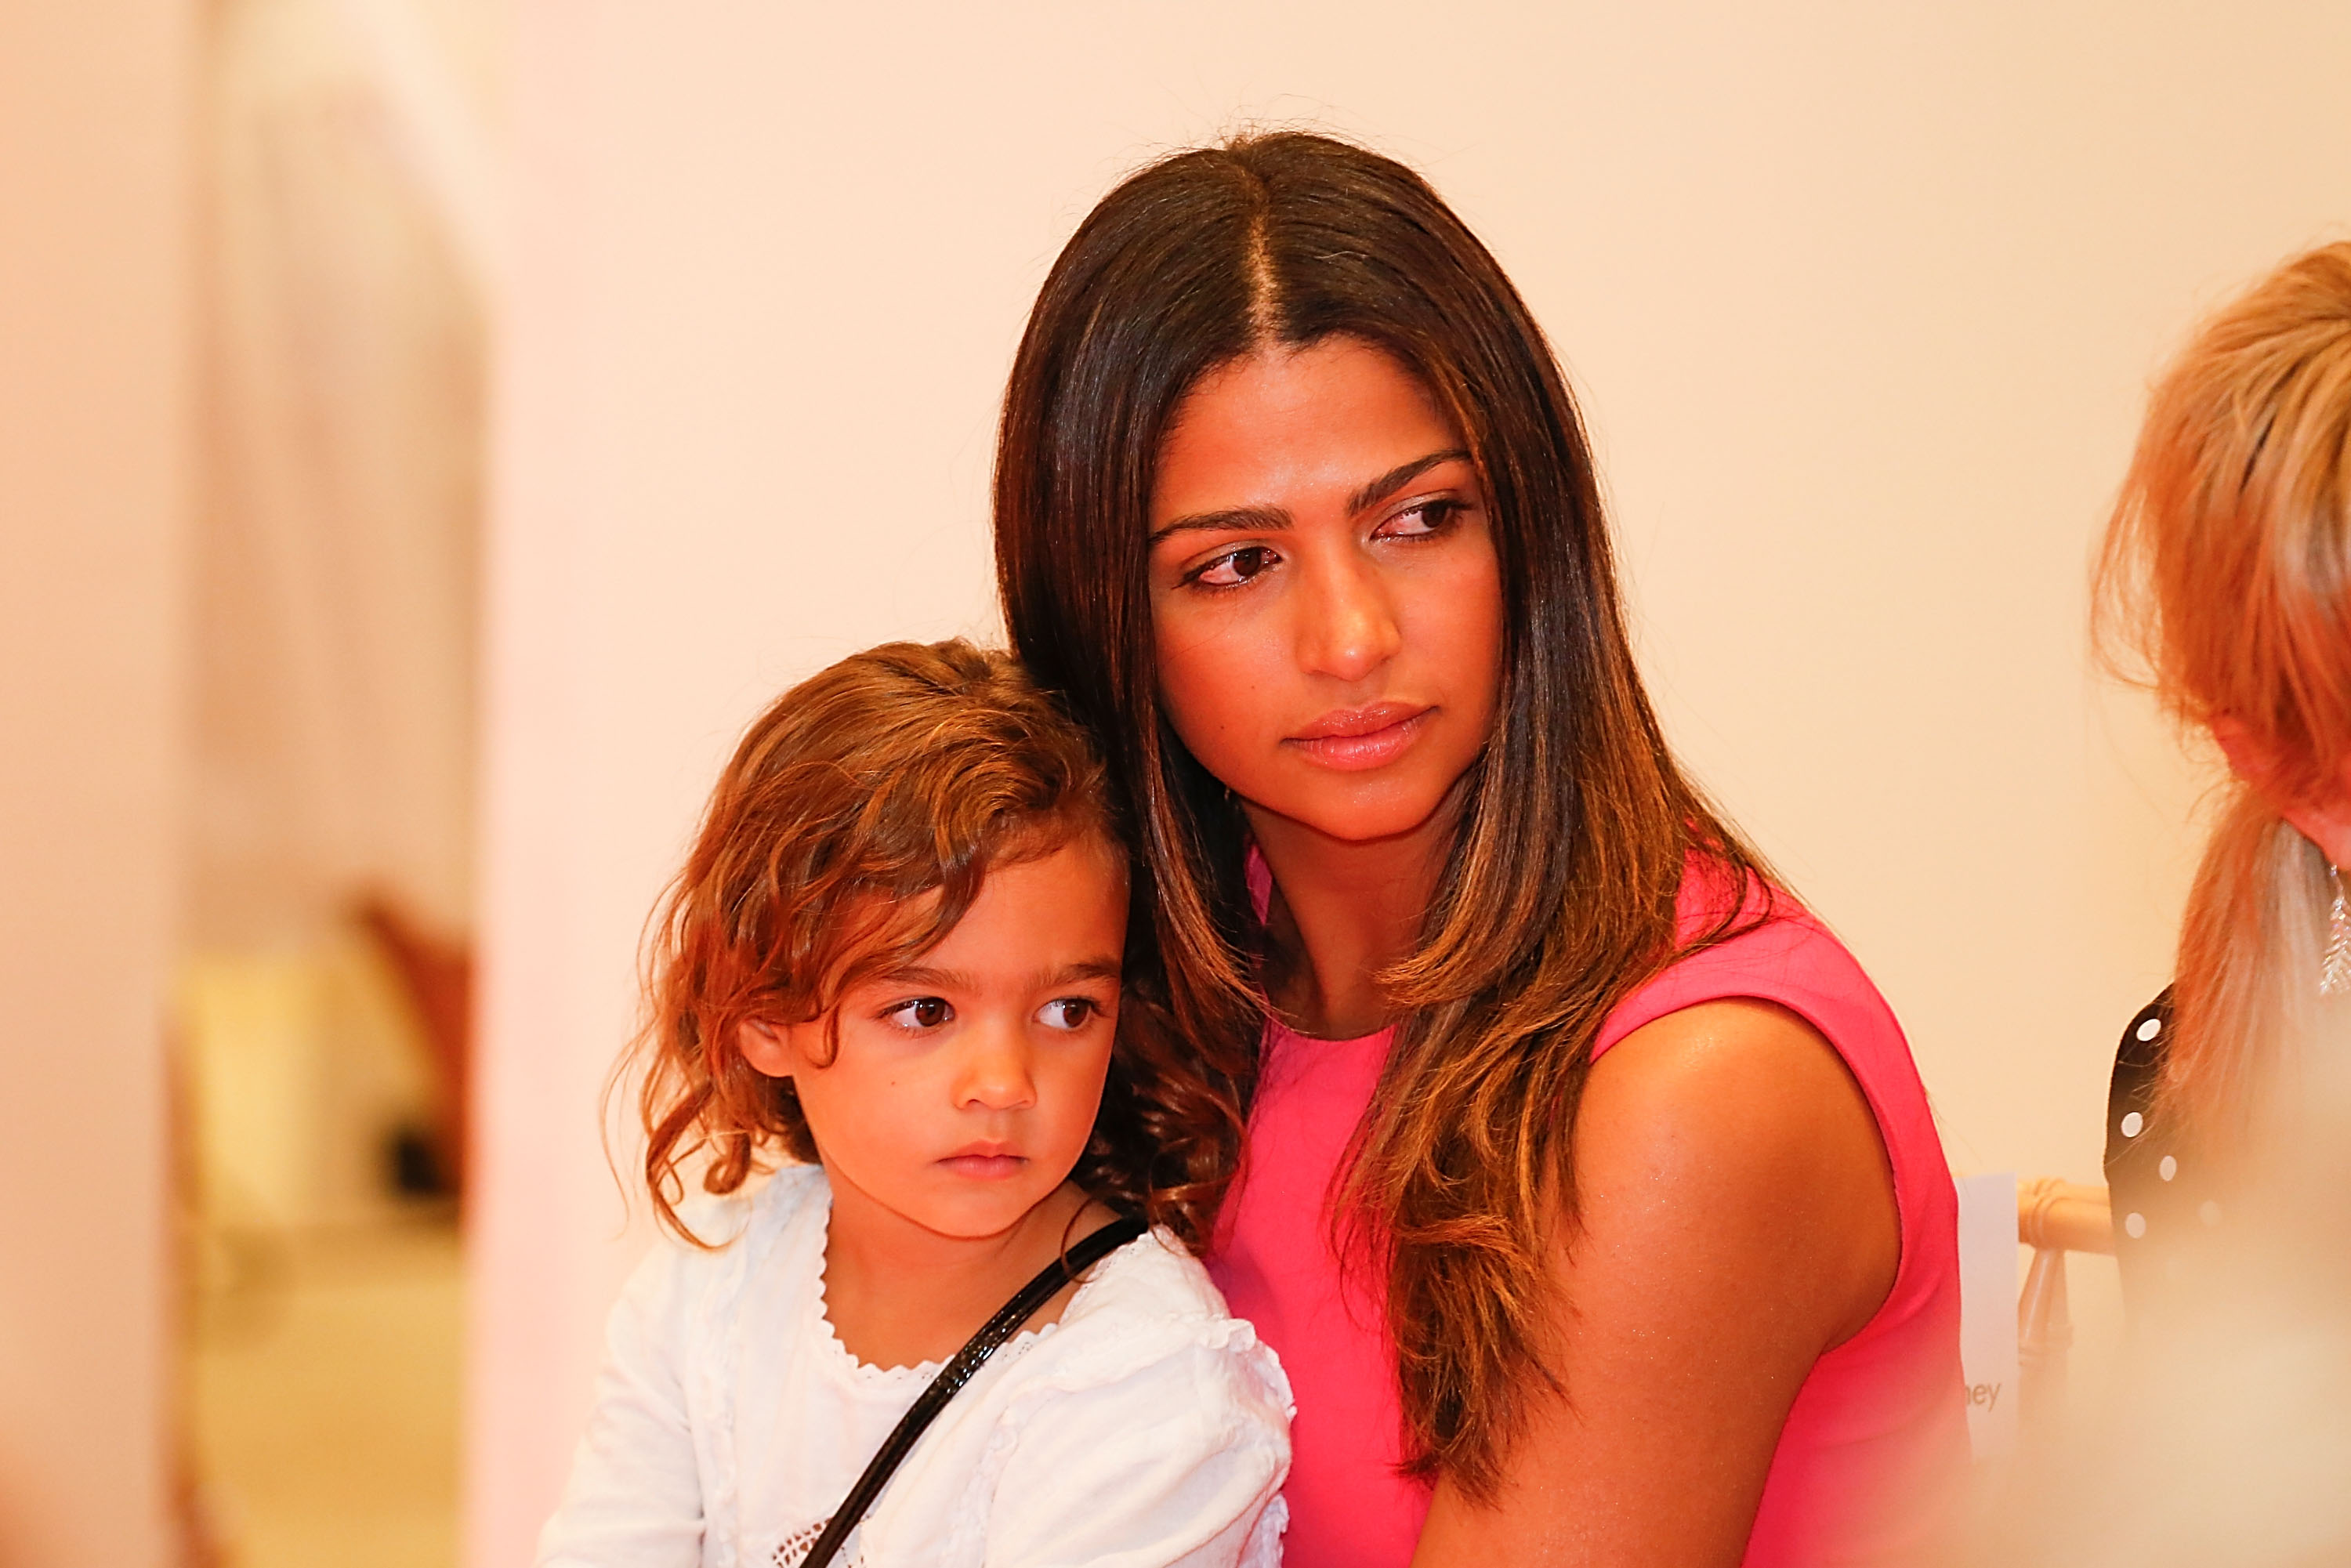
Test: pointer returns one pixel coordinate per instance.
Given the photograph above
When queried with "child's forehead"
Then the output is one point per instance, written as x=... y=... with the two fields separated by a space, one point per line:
x=1075 y=858
x=1049 y=879
x=1087 y=848
x=1061 y=852
x=1052 y=890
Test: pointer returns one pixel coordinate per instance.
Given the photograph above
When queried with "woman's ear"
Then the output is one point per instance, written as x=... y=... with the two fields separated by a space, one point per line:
x=765 y=1047
x=2326 y=823
x=2249 y=759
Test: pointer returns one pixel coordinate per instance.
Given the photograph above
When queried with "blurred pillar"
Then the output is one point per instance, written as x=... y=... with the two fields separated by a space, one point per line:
x=547 y=1239
x=334 y=580
x=95 y=249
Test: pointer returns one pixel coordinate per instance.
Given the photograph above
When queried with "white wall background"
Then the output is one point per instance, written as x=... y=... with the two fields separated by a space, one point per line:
x=95 y=325
x=1860 y=300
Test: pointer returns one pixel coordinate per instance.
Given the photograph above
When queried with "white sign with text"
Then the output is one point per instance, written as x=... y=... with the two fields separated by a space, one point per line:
x=1988 y=1287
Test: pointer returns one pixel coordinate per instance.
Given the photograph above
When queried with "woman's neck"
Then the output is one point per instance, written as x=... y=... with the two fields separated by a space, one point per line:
x=898 y=1293
x=1342 y=912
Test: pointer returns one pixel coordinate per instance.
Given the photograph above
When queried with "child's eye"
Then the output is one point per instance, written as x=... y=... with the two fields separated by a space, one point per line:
x=1067 y=1013
x=920 y=1013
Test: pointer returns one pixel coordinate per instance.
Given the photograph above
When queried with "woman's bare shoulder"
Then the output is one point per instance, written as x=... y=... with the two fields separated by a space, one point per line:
x=1734 y=1136
x=1733 y=1217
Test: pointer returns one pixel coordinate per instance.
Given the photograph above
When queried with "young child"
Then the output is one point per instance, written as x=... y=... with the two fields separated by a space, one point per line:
x=893 y=960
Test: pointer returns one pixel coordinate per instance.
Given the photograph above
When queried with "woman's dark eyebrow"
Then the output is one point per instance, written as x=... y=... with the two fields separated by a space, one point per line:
x=1232 y=519
x=1396 y=478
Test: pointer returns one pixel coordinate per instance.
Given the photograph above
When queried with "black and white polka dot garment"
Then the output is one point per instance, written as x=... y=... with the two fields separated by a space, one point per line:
x=2160 y=1207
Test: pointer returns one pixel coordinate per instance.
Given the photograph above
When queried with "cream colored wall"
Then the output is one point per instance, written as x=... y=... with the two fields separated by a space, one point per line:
x=93 y=362
x=1860 y=301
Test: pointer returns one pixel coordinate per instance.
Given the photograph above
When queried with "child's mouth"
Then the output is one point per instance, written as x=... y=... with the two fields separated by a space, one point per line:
x=986 y=1167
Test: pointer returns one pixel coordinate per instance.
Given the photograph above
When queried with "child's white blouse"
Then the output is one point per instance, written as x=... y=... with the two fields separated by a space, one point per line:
x=1147 y=1427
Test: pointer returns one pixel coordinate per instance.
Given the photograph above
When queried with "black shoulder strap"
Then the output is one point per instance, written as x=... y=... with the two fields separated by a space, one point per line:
x=967 y=1361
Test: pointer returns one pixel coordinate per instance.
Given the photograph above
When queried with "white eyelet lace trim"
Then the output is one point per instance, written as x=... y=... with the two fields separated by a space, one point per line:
x=795 y=1547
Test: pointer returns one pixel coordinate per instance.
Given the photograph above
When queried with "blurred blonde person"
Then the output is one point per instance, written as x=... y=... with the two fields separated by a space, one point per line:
x=2227 y=569
x=2227 y=572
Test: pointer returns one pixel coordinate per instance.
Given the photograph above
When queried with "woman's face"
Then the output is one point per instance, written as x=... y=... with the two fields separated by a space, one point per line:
x=1326 y=604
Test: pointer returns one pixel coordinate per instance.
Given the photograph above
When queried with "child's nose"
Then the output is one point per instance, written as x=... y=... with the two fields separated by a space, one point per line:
x=996 y=1072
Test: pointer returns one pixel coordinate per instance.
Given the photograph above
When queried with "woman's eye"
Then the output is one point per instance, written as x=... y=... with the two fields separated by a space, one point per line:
x=1235 y=566
x=1420 y=521
x=1067 y=1013
x=920 y=1013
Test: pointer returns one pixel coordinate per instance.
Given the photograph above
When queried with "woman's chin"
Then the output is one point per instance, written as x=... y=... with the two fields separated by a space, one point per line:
x=1368 y=812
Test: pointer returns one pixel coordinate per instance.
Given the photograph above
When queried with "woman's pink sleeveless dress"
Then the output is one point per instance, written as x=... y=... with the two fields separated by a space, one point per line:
x=1876 y=1445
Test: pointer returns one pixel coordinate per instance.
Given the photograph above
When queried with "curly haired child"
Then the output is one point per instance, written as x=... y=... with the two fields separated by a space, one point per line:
x=885 y=1036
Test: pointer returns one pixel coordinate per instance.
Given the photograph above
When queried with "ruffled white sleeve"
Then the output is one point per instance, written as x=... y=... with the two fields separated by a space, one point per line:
x=634 y=1500
x=1180 y=1462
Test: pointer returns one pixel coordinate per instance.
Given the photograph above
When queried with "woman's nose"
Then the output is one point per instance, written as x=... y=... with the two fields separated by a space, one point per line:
x=1348 y=623
x=995 y=1073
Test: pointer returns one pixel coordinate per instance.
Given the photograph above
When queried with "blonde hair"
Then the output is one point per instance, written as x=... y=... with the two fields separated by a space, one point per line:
x=2227 y=569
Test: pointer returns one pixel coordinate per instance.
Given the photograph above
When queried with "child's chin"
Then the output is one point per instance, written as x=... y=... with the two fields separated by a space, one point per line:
x=967 y=1226
x=976 y=1214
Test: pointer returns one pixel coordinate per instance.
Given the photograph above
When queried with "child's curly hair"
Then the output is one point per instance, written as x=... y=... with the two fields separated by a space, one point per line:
x=908 y=770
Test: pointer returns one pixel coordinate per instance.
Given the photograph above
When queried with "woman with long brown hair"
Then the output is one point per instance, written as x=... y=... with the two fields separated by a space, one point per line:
x=2228 y=567
x=1586 y=1187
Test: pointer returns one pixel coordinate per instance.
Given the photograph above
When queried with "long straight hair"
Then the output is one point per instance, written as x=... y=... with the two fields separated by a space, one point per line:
x=2226 y=571
x=1557 y=897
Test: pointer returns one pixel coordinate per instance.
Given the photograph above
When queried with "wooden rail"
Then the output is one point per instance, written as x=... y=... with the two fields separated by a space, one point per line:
x=2052 y=1217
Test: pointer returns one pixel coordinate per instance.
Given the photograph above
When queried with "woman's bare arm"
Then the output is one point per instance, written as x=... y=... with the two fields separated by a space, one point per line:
x=1735 y=1219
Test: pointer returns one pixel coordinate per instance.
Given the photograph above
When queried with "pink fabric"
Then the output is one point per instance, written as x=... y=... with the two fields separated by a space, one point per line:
x=1872 y=1450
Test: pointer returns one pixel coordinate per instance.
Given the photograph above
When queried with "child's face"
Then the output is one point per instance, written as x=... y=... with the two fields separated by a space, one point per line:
x=966 y=1085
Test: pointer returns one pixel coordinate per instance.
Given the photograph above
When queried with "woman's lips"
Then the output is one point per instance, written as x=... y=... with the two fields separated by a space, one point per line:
x=985 y=1167
x=1353 y=739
